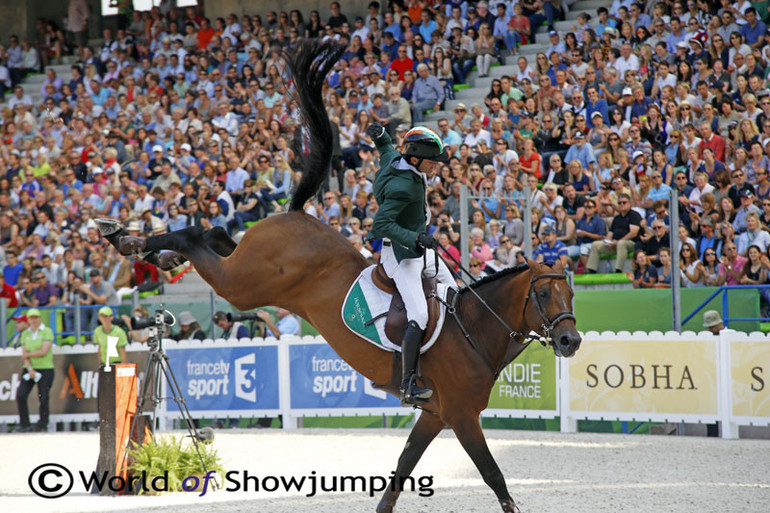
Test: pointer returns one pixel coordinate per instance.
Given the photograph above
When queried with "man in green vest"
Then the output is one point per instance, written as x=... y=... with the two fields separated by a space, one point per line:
x=108 y=329
x=37 y=358
x=401 y=221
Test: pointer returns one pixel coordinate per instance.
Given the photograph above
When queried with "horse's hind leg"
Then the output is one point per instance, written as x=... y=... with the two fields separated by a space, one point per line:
x=424 y=431
x=215 y=238
x=472 y=439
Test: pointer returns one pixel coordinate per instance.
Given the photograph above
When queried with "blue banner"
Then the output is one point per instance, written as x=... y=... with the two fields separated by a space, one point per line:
x=321 y=379
x=227 y=378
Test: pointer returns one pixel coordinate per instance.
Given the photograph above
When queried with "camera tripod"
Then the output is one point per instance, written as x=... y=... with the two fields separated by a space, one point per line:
x=152 y=387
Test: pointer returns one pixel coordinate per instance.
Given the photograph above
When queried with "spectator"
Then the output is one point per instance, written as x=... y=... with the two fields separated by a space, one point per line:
x=104 y=332
x=189 y=328
x=644 y=274
x=731 y=265
x=551 y=250
x=624 y=232
x=37 y=360
x=230 y=329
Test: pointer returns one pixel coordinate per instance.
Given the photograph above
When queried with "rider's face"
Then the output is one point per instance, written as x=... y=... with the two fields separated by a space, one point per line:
x=427 y=166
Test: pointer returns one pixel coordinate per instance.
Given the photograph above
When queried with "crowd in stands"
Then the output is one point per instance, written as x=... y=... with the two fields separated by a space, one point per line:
x=173 y=120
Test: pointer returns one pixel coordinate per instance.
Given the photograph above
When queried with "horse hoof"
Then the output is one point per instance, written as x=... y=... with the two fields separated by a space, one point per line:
x=169 y=260
x=509 y=507
x=130 y=245
x=108 y=227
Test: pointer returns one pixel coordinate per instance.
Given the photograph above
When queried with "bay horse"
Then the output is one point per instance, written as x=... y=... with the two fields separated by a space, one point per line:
x=294 y=261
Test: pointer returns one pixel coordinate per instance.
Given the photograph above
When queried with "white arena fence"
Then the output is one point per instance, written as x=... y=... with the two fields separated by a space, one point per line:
x=662 y=377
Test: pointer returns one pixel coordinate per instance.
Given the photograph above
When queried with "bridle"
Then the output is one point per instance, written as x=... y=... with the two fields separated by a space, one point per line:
x=548 y=324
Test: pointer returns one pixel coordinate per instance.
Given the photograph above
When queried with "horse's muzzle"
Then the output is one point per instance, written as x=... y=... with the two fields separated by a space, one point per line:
x=566 y=344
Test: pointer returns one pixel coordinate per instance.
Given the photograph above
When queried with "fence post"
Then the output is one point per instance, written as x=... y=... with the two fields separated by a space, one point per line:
x=675 y=272
x=725 y=309
x=284 y=383
x=464 y=220
x=568 y=424
x=211 y=312
x=78 y=327
x=3 y=321
x=728 y=429
x=527 y=221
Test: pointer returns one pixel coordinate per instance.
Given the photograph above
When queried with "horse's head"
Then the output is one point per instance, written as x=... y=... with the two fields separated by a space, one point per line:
x=548 y=308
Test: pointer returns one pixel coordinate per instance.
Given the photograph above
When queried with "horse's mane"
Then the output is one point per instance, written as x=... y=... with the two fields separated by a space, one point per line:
x=310 y=62
x=496 y=276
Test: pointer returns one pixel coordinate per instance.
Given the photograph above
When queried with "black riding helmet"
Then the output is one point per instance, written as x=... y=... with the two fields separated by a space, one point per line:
x=424 y=143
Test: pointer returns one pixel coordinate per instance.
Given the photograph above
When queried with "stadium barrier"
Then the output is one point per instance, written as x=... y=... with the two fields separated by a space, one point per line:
x=663 y=377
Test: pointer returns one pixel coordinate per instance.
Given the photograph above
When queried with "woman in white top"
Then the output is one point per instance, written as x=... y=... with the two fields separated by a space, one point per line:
x=691 y=268
x=619 y=125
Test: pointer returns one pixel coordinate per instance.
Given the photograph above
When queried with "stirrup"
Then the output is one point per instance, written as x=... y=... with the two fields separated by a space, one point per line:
x=412 y=394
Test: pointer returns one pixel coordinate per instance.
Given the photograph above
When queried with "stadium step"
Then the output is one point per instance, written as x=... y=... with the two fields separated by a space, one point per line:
x=589 y=5
x=573 y=14
x=563 y=27
x=62 y=71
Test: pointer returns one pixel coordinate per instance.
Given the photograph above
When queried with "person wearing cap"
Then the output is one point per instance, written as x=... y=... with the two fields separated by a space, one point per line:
x=22 y=323
x=101 y=292
x=550 y=250
x=712 y=321
x=582 y=152
x=107 y=329
x=156 y=162
x=230 y=329
x=37 y=359
x=400 y=189
x=747 y=206
x=188 y=327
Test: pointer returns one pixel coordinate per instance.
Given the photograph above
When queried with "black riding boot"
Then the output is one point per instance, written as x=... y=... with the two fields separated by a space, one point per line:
x=410 y=354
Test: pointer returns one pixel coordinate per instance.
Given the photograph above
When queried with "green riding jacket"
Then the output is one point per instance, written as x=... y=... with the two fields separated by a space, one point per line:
x=400 y=194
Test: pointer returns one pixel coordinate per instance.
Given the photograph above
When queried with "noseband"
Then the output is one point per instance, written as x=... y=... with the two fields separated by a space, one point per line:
x=548 y=324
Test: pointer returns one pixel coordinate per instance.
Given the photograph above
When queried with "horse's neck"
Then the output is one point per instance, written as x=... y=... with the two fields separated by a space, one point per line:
x=506 y=296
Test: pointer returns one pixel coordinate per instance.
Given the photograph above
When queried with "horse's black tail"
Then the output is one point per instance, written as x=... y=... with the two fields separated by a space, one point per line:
x=310 y=62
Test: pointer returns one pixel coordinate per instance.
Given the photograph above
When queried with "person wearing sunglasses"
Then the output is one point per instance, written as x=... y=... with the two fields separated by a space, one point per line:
x=622 y=237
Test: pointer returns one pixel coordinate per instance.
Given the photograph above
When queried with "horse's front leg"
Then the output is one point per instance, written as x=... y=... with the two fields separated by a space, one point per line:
x=424 y=431
x=468 y=431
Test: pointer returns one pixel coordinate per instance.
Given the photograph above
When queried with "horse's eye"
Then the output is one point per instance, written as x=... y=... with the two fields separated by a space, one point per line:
x=544 y=293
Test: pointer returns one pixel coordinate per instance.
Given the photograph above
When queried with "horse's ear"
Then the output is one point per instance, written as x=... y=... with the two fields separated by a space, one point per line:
x=558 y=267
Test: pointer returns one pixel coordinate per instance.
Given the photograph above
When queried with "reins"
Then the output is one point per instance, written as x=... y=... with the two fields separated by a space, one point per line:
x=547 y=325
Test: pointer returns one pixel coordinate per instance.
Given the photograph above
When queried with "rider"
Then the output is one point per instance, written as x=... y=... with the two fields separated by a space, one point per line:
x=400 y=189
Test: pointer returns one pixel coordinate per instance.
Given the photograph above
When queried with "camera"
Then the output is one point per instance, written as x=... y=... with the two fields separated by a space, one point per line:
x=161 y=317
x=239 y=317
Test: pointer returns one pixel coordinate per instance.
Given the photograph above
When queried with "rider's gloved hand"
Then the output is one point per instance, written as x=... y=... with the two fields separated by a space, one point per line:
x=375 y=131
x=427 y=241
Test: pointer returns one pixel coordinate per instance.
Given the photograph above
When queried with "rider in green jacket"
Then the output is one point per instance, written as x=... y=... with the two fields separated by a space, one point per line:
x=401 y=221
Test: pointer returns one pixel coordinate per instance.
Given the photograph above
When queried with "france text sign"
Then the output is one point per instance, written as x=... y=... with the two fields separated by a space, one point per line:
x=529 y=383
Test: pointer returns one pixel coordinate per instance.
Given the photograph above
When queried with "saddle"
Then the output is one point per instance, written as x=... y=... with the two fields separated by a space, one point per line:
x=396 y=321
